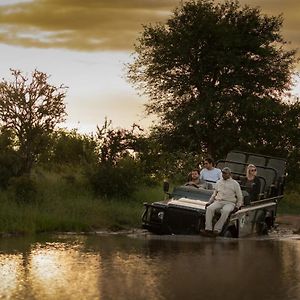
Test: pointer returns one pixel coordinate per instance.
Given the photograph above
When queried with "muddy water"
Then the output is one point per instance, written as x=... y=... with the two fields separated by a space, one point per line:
x=141 y=266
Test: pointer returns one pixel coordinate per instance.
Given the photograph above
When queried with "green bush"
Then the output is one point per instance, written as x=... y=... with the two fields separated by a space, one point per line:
x=116 y=181
x=10 y=163
x=24 y=189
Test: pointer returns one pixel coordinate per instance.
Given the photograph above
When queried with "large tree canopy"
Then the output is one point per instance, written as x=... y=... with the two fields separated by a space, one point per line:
x=216 y=76
x=30 y=109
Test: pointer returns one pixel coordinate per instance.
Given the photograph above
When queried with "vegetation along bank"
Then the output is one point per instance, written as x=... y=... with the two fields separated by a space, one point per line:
x=218 y=77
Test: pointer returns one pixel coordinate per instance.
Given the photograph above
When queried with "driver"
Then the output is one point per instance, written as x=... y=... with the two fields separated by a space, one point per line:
x=194 y=179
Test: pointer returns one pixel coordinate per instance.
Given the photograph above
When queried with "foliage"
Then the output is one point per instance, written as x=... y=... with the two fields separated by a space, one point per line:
x=70 y=147
x=23 y=189
x=31 y=109
x=71 y=206
x=119 y=180
x=115 y=143
x=9 y=161
x=119 y=170
x=212 y=72
x=159 y=163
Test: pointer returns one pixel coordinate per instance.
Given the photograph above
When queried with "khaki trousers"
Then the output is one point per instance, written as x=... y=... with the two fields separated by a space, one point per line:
x=225 y=207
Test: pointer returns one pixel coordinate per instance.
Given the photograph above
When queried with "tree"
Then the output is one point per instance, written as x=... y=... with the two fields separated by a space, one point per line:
x=9 y=160
x=73 y=148
x=211 y=73
x=31 y=109
x=116 y=143
x=118 y=172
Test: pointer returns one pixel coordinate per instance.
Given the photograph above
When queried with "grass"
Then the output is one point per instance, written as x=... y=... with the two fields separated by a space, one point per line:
x=66 y=203
x=290 y=204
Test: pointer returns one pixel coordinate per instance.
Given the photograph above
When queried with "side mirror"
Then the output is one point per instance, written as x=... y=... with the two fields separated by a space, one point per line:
x=166 y=186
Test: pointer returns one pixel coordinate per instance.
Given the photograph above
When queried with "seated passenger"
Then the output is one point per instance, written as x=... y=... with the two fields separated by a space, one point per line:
x=194 y=180
x=251 y=184
x=209 y=172
x=226 y=198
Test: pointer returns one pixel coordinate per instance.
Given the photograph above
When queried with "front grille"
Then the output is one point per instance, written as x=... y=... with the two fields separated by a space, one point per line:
x=183 y=221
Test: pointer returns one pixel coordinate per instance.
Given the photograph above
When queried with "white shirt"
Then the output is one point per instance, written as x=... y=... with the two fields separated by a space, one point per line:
x=228 y=190
x=212 y=175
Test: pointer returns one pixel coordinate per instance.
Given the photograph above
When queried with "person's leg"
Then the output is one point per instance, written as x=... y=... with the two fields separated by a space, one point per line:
x=225 y=211
x=209 y=214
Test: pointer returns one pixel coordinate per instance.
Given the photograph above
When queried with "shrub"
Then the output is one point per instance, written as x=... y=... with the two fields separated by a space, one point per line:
x=116 y=181
x=23 y=188
x=10 y=163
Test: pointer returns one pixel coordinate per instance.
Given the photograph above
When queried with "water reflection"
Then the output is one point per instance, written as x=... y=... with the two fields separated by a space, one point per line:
x=58 y=271
x=11 y=273
x=120 y=267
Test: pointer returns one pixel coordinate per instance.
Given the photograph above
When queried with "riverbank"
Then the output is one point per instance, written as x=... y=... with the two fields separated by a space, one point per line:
x=68 y=204
x=290 y=222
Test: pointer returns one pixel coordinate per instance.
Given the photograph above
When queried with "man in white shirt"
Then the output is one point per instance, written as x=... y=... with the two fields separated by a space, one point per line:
x=226 y=197
x=209 y=172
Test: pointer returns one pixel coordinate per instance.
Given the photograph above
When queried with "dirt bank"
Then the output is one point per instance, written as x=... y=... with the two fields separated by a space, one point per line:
x=291 y=222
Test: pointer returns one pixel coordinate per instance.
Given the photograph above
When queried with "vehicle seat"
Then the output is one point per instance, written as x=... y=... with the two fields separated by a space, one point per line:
x=236 y=156
x=269 y=175
x=256 y=160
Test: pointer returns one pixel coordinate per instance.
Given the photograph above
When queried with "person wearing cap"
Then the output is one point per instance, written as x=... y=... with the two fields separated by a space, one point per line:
x=226 y=197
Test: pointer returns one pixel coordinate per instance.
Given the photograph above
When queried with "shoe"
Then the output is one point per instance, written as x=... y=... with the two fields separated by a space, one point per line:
x=206 y=232
x=215 y=233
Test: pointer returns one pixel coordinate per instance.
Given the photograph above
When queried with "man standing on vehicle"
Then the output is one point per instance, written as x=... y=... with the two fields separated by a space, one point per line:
x=226 y=198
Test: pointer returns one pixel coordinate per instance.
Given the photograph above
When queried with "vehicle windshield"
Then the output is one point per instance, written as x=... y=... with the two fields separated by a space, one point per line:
x=192 y=193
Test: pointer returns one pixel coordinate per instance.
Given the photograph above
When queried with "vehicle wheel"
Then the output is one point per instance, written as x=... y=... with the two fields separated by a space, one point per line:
x=263 y=228
x=228 y=233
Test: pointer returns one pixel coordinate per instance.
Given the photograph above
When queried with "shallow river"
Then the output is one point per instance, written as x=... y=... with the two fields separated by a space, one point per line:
x=139 y=266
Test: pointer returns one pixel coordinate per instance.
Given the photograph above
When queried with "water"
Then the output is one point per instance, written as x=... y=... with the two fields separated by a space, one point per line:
x=149 y=267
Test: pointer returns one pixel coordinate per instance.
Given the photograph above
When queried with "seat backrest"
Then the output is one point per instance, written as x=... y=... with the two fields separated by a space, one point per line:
x=262 y=184
x=236 y=167
x=269 y=175
x=236 y=156
x=220 y=164
x=278 y=164
x=256 y=160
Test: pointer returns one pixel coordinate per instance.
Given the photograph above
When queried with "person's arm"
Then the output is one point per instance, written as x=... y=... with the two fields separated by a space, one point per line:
x=211 y=199
x=201 y=174
x=255 y=190
x=239 y=196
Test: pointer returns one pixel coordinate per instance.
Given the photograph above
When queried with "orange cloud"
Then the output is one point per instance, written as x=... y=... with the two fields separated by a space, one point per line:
x=79 y=25
x=97 y=25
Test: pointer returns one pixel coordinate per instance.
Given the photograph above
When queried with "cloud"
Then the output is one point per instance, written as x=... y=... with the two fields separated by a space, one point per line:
x=79 y=25
x=105 y=25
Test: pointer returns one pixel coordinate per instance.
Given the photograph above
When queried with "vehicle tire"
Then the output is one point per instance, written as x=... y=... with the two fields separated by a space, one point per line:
x=228 y=233
x=263 y=228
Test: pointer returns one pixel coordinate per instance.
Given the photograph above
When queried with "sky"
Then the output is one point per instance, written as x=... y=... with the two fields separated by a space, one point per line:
x=86 y=44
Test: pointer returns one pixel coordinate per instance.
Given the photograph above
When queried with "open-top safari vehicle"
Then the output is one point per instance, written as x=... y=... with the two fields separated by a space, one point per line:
x=184 y=210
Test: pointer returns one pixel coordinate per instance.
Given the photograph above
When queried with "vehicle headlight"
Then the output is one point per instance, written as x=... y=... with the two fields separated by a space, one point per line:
x=161 y=215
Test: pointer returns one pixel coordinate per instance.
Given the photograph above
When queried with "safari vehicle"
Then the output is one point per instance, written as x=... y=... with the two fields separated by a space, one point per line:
x=183 y=212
